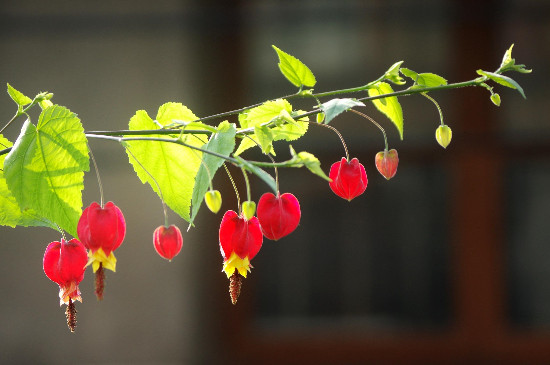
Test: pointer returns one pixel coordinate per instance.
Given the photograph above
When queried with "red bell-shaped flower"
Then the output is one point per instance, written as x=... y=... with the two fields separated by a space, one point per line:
x=102 y=230
x=240 y=240
x=349 y=179
x=64 y=263
x=386 y=163
x=167 y=241
x=278 y=215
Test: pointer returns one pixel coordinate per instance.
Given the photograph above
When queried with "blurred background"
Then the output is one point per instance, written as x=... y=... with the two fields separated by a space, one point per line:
x=447 y=263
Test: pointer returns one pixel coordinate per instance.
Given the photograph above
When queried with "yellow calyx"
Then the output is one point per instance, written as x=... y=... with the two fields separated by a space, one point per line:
x=99 y=257
x=234 y=262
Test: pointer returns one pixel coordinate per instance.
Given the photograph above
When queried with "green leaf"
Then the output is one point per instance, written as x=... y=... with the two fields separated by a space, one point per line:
x=309 y=161
x=10 y=213
x=294 y=70
x=279 y=112
x=503 y=80
x=393 y=74
x=509 y=64
x=45 y=169
x=265 y=113
x=334 y=107
x=267 y=178
x=265 y=138
x=173 y=166
x=423 y=80
x=223 y=143
x=389 y=106
x=18 y=97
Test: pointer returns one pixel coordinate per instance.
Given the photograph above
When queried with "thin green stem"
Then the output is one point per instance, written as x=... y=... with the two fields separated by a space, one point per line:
x=234 y=187
x=176 y=141
x=376 y=124
x=247 y=183
x=147 y=132
x=338 y=133
x=97 y=175
x=437 y=106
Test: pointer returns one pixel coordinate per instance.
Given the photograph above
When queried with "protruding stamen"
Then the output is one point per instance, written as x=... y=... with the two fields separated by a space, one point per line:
x=99 y=282
x=70 y=312
x=235 y=283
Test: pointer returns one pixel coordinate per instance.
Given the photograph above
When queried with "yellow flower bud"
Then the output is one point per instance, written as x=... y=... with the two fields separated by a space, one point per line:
x=443 y=135
x=249 y=209
x=213 y=200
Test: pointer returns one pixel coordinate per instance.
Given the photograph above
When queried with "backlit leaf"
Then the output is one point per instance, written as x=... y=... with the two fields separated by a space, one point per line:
x=45 y=169
x=389 y=106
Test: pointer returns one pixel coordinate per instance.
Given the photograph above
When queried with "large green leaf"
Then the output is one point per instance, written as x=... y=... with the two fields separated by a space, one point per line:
x=10 y=213
x=223 y=143
x=45 y=169
x=389 y=106
x=173 y=166
x=294 y=70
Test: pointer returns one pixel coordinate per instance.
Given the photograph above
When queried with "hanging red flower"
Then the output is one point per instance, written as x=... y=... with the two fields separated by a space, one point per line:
x=278 y=215
x=240 y=241
x=167 y=241
x=349 y=179
x=101 y=230
x=64 y=263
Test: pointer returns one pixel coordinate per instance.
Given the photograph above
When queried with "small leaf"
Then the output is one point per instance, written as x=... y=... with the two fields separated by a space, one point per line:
x=45 y=168
x=265 y=138
x=294 y=70
x=423 y=80
x=334 y=107
x=309 y=161
x=389 y=106
x=18 y=97
x=509 y=64
x=267 y=178
x=503 y=80
x=223 y=143
x=279 y=112
x=173 y=166
x=393 y=74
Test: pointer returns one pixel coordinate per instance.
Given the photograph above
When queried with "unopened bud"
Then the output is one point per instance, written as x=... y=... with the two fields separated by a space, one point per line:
x=213 y=200
x=249 y=209
x=443 y=135
x=495 y=98
x=386 y=163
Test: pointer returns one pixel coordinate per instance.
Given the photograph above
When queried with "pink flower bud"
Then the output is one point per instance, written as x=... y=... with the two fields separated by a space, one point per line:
x=386 y=163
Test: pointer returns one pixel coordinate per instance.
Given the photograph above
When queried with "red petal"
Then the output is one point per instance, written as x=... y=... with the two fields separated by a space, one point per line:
x=278 y=216
x=102 y=227
x=64 y=262
x=167 y=241
x=349 y=180
x=244 y=237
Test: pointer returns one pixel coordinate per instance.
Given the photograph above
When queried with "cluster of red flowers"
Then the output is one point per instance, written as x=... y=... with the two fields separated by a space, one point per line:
x=101 y=230
x=241 y=236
